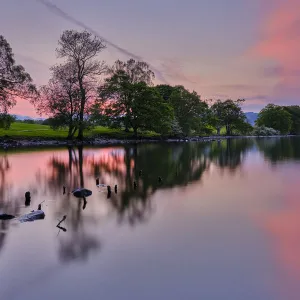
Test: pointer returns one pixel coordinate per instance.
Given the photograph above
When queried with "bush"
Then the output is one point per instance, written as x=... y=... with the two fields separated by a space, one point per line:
x=28 y=121
x=6 y=120
x=264 y=131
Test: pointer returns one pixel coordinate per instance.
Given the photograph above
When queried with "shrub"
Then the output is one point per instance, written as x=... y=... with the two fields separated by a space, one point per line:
x=264 y=131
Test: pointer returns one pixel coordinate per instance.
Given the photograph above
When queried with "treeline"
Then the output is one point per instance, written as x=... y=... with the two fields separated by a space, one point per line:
x=282 y=119
x=84 y=92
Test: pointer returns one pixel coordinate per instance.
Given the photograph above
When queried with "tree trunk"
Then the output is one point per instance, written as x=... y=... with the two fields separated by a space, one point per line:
x=218 y=130
x=70 y=133
x=135 y=132
x=228 y=129
x=80 y=129
x=82 y=106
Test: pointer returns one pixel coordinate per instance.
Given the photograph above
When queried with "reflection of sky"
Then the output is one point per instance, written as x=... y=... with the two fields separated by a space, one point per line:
x=231 y=235
x=219 y=48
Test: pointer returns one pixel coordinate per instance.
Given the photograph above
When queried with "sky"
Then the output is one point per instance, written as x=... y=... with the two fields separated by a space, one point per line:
x=220 y=48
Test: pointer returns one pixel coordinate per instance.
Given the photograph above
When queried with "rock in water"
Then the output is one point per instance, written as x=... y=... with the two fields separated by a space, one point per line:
x=6 y=217
x=33 y=216
x=80 y=193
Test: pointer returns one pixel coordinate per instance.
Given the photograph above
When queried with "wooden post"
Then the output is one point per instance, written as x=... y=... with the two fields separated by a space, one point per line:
x=27 y=198
x=108 y=191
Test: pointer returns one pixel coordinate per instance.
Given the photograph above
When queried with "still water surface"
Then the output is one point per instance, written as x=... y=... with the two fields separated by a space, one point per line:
x=224 y=223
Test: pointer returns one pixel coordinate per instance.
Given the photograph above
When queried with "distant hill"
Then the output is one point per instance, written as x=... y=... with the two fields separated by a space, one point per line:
x=251 y=117
x=22 y=118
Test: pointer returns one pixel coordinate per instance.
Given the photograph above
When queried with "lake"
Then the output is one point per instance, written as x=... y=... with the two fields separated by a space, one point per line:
x=222 y=223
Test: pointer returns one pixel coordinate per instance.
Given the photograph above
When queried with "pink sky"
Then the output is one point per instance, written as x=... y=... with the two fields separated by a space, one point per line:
x=250 y=50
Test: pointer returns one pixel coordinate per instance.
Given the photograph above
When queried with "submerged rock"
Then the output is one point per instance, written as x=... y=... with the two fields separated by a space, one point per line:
x=80 y=193
x=33 y=216
x=6 y=217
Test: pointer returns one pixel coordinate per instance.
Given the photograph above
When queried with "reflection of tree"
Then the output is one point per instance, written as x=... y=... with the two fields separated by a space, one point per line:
x=77 y=243
x=9 y=206
x=177 y=164
x=279 y=149
x=229 y=154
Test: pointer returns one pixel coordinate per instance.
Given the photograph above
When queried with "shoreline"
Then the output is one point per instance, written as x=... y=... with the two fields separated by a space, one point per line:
x=11 y=143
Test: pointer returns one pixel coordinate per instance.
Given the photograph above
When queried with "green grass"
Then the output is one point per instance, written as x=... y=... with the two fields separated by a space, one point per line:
x=23 y=130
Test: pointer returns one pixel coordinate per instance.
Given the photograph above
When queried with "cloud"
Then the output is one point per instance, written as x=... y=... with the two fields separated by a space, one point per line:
x=280 y=45
x=59 y=12
x=257 y=97
x=221 y=96
x=280 y=71
x=239 y=87
x=31 y=60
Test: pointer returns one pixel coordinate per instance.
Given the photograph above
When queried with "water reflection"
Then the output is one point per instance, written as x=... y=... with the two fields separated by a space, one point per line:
x=230 y=154
x=135 y=174
x=8 y=205
x=276 y=150
x=131 y=229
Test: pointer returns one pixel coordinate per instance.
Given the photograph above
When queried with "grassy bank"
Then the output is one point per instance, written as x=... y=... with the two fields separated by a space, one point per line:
x=23 y=130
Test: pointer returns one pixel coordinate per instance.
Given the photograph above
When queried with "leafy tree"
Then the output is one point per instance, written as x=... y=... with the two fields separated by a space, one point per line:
x=275 y=117
x=229 y=114
x=136 y=71
x=190 y=112
x=294 y=111
x=126 y=95
x=130 y=72
x=241 y=126
x=140 y=105
x=81 y=50
x=14 y=81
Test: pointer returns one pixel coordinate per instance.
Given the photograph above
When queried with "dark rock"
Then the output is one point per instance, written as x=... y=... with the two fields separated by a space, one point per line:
x=6 y=217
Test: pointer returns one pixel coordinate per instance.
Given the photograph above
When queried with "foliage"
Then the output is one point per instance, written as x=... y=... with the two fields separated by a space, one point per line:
x=275 y=117
x=229 y=114
x=294 y=111
x=14 y=81
x=264 y=131
x=80 y=50
x=60 y=99
x=29 y=121
x=191 y=114
x=6 y=120
x=137 y=71
x=242 y=127
x=126 y=96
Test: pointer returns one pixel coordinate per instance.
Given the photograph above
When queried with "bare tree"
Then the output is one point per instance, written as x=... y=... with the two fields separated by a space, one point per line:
x=60 y=99
x=82 y=49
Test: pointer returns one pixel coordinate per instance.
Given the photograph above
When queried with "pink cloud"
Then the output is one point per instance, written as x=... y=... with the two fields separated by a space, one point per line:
x=24 y=108
x=280 y=44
